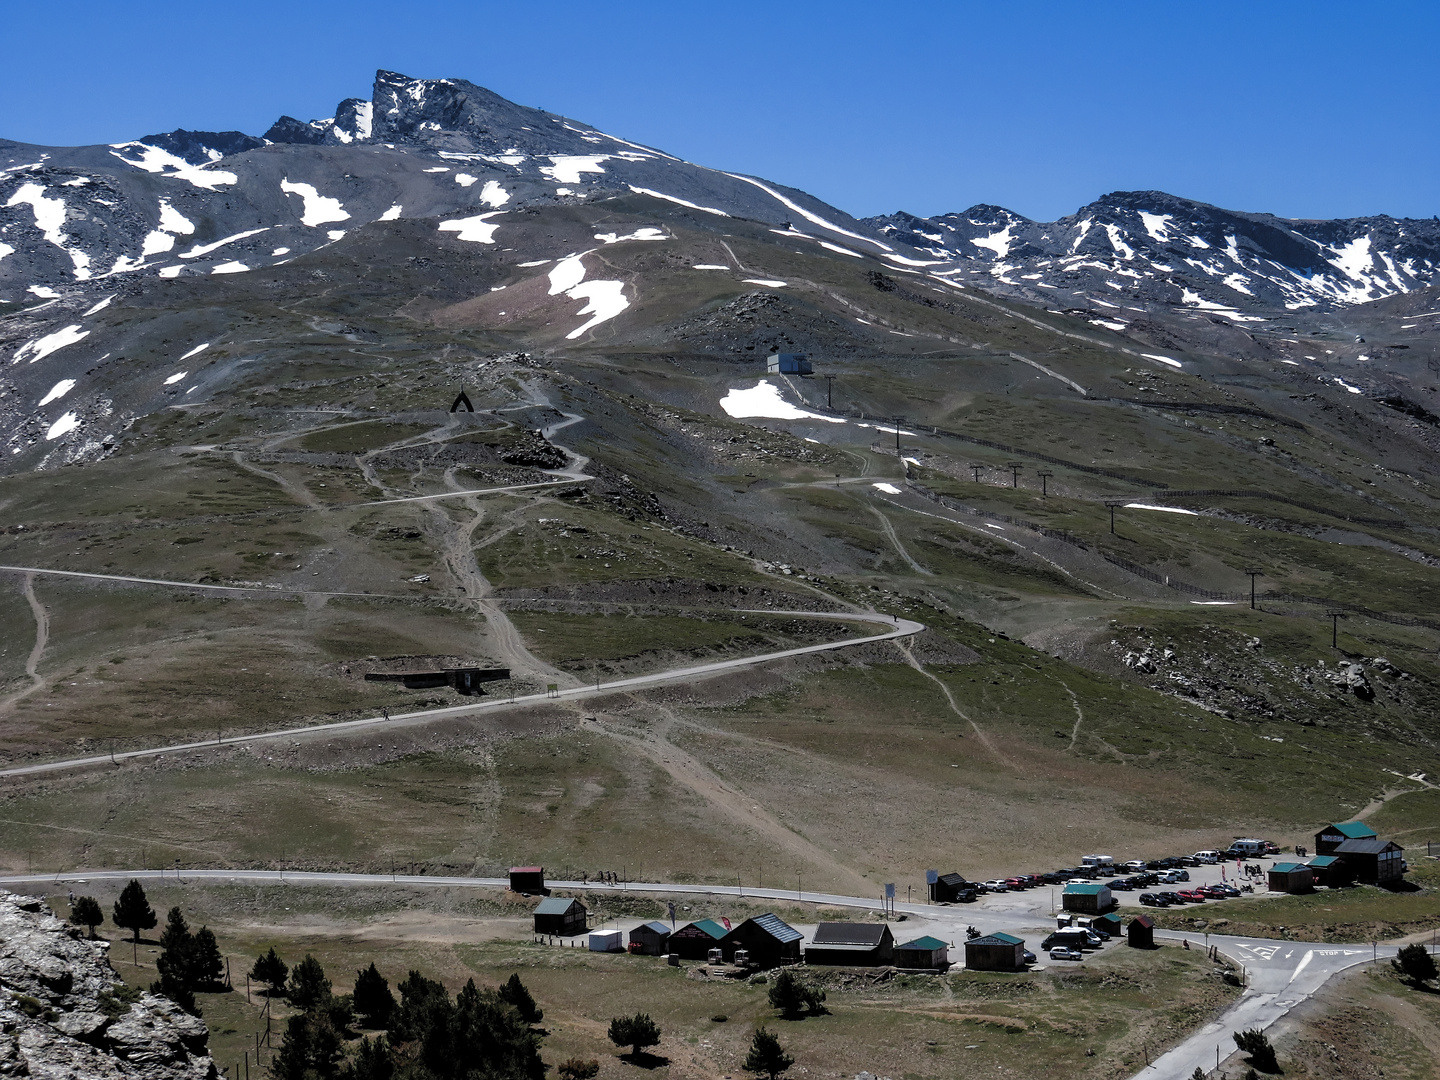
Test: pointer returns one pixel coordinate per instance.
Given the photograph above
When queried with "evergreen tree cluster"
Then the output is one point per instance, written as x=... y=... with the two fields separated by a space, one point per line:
x=188 y=962
x=424 y=1035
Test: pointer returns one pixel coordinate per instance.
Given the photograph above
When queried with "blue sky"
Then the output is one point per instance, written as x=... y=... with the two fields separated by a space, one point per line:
x=1300 y=109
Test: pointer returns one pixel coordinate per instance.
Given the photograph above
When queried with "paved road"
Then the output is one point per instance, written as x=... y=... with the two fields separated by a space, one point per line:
x=899 y=628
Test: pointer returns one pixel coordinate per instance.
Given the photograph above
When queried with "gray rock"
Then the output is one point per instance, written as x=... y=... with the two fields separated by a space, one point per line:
x=52 y=1023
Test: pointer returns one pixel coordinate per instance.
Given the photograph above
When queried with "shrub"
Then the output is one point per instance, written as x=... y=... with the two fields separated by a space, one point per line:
x=636 y=1032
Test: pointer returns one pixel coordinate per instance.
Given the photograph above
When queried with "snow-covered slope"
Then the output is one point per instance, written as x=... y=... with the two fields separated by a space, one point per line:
x=194 y=202
x=1159 y=250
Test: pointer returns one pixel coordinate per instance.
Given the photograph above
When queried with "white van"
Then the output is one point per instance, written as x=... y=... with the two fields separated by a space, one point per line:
x=1249 y=847
x=1097 y=861
x=1208 y=857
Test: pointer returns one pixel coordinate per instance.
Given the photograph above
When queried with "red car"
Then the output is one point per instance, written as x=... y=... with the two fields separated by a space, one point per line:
x=1194 y=896
x=1017 y=882
x=1213 y=892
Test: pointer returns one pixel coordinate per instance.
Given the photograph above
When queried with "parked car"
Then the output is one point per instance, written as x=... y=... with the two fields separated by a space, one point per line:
x=1193 y=896
x=1208 y=857
x=1173 y=897
x=1228 y=889
x=997 y=885
x=1054 y=877
x=1063 y=953
x=1119 y=885
x=1153 y=900
x=1017 y=883
x=1077 y=881
x=1029 y=957
x=1135 y=865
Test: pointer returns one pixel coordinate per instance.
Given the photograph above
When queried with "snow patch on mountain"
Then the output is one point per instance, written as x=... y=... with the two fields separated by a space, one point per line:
x=155 y=160
x=319 y=209
x=477 y=229
x=41 y=347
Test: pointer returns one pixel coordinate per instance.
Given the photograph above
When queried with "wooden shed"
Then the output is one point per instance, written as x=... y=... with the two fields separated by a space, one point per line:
x=650 y=939
x=995 y=952
x=768 y=941
x=529 y=880
x=951 y=889
x=694 y=940
x=1332 y=836
x=562 y=915
x=1088 y=899
x=1140 y=934
x=1375 y=862
x=849 y=944
x=1332 y=871
x=1109 y=923
x=1291 y=877
x=924 y=953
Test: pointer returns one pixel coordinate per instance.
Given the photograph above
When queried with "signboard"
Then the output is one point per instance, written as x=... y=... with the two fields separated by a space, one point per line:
x=931 y=876
x=889 y=890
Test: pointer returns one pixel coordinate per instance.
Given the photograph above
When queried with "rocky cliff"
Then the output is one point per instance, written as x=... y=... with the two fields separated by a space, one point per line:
x=65 y=1013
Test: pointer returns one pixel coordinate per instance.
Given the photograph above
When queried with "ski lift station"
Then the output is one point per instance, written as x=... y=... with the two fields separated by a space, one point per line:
x=787 y=363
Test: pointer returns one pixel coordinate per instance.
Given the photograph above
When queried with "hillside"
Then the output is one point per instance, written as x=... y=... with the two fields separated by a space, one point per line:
x=231 y=362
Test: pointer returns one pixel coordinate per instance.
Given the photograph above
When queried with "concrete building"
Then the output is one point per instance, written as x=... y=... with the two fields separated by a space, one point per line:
x=784 y=363
x=848 y=944
x=995 y=952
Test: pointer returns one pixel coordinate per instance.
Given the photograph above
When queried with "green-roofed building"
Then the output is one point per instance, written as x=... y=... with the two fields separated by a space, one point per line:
x=995 y=952
x=1330 y=870
x=1332 y=836
x=694 y=940
x=1291 y=877
x=923 y=954
x=1088 y=899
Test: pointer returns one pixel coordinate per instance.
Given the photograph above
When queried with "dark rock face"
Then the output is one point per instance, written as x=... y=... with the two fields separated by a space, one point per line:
x=61 y=1015
x=203 y=147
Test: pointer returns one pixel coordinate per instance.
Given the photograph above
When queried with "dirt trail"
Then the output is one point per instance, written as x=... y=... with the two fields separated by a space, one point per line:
x=894 y=539
x=691 y=773
x=42 y=639
x=904 y=648
x=42 y=629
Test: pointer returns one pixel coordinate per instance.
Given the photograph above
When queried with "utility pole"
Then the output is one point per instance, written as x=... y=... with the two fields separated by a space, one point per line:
x=1044 y=475
x=898 y=420
x=1111 y=503
x=976 y=470
x=829 y=389
x=1015 y=468
x=1335 y=617
x=1254 y=572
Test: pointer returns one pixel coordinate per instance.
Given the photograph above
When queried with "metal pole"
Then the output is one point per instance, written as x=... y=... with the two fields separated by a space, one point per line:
x=897 y=433
x=976 y=470
x=829 y=388
x=1112 y=518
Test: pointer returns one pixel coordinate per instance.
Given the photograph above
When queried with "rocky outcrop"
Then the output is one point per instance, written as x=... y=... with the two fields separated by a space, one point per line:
x=65 y=1013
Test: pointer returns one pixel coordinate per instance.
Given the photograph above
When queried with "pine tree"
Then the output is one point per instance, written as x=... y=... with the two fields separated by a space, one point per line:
x=308 y=984
x=85 y=911
x=767 y=1055
x=374 y=1060
x=1254 y=1042
x=207 y=964
x=373 y=1000
x=176 y=962
x=514 y=992
x=133 y=911
x=271 y=970
x=310 y=1049
x=636 y=1032
x=1413 y=961
x=793 y=996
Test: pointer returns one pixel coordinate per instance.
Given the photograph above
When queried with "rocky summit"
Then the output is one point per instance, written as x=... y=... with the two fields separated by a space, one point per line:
x=65 y=1013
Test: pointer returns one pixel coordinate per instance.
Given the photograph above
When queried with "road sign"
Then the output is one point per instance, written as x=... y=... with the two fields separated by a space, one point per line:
x=931 y=876
x=889 y=890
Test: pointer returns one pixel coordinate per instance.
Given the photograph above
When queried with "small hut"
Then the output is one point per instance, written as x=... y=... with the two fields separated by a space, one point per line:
x=1109 y=923
x=767 y=939
x=1332 y=871
x=1291 y=877
x=1141 y=932
x=924 y=953
x=1333 y=835
x=650 y=939
x=694 y=940
x=1088 y=899
x=562 y=915
x=1375 y=862
x=529 y=880
x=848 y=944
x=950 y=889
x=995 y=952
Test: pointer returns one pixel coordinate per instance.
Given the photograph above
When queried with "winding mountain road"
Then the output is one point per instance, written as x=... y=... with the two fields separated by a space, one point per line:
x=900 y=628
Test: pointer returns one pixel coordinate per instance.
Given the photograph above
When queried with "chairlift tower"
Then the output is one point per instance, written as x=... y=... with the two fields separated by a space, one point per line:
x=974 y=468
x=1112 y=504
x=1335 y=617
x=1044 y=475
x=1254 y=572
x=1015 y=467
